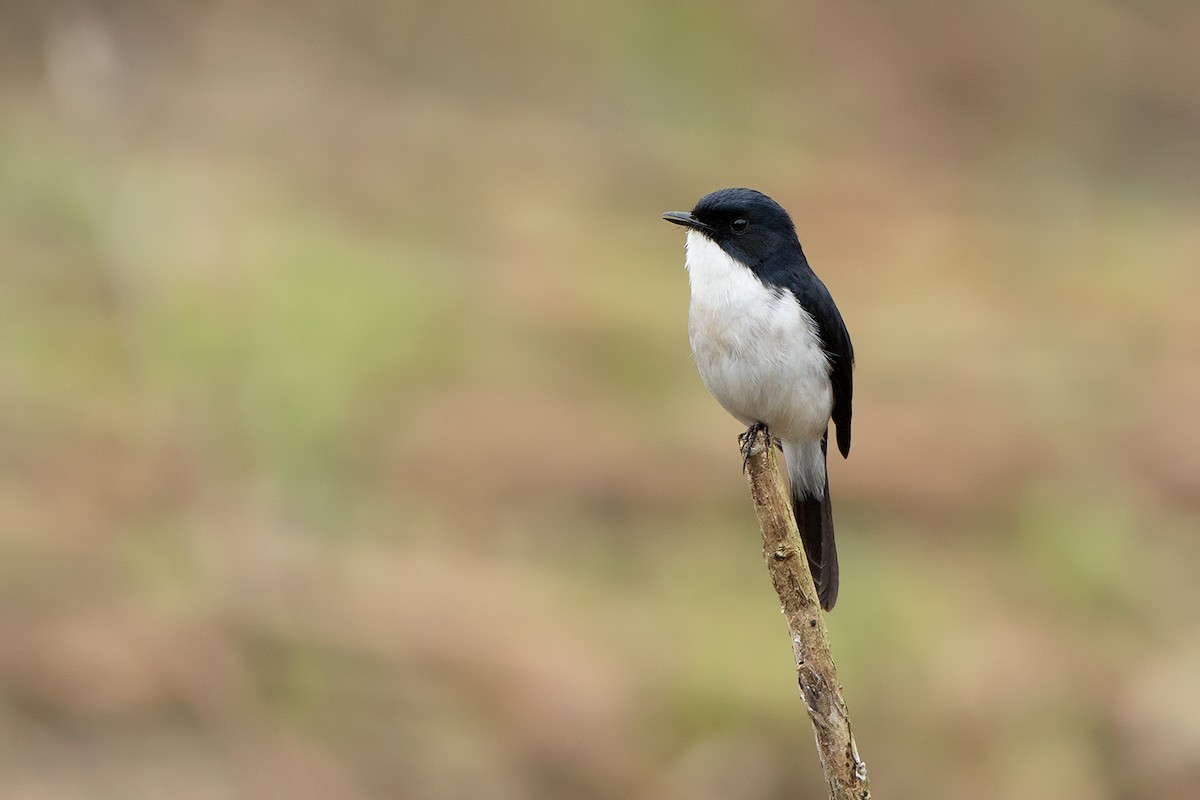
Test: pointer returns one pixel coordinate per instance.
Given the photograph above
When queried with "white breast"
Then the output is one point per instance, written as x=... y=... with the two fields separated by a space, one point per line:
x=757 y=350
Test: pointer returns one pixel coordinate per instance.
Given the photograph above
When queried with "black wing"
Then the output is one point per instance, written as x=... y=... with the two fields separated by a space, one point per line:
x=814 y=297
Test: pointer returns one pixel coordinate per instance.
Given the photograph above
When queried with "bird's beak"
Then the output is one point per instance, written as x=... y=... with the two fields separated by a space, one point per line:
x=685 y=219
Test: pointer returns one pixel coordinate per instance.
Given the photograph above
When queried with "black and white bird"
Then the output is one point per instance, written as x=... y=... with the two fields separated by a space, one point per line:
x=771 y=346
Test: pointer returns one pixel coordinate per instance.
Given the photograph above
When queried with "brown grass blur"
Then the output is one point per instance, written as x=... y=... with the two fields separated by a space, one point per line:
x=350 y=446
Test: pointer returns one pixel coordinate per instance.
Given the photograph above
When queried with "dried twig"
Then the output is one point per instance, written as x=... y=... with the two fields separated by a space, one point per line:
x=784 y=554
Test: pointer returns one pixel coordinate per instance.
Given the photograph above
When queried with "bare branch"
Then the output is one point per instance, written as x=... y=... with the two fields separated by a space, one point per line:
x=819 y=686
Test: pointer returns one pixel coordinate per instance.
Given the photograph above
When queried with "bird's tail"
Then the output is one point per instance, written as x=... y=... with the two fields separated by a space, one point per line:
x=814 y=515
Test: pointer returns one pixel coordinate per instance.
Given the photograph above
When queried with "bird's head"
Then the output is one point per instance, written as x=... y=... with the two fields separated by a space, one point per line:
x=745 y=223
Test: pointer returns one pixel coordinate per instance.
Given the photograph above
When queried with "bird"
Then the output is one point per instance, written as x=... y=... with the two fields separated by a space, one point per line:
x=771 y=346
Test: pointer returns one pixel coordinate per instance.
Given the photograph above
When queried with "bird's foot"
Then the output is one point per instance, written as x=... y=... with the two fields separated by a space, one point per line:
x=747 y=438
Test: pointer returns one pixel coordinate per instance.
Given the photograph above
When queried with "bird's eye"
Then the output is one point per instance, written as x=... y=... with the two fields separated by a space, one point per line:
x=739 y=225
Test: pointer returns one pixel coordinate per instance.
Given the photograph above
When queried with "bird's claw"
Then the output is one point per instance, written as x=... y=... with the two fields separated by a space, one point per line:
x=747 y=438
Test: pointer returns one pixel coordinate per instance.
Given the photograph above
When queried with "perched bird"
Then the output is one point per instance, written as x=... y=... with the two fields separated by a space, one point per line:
x=772 y=348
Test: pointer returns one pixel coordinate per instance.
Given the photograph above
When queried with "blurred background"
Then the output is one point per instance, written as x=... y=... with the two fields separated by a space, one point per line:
x=350 y=445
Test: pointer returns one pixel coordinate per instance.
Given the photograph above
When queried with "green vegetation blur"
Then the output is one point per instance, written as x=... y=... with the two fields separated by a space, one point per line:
x=350 y=445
